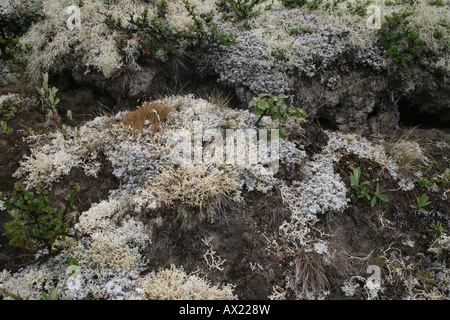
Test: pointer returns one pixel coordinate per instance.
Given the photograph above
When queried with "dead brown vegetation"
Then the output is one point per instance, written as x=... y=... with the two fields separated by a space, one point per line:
x=155 y=113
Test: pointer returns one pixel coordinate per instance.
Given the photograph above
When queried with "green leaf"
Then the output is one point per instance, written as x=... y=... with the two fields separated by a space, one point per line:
x=258 y=111
x=277 y=116
x=373 y=202
x=14 y=213
x=283 y=107
x=383 y=198
x=4 y=126
x=297 y=114
x=264 y=105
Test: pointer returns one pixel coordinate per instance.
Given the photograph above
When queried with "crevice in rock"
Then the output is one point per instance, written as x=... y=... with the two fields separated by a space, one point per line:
x=326 y=124
x=412 y=115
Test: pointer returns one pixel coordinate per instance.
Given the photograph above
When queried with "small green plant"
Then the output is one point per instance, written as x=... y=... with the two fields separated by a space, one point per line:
x=7 y=132
x=5 y=129
x=52 y=295
x=437 y=34
x=160 y=42
x=73 y=263
x=297 y=31
x=237 y=10
x=359 y=7
x=437 y=229
x=422 y=202
x=446 y=177
x=162 y=8
x=439 y=3
x=314 y=4
x=362 y=191
x=401 y=42
x=275 y=106
x=14 y=22
x=35 y=224
x=377 y=195
x=294 y=3
x=10 y=109
x=355 y=183
x=49 y=102
x=207 y=38
x=12 y=49
x=429 y=180
x=7 y=293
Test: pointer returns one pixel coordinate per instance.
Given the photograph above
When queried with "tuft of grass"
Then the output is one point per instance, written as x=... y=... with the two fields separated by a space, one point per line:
x=405 y=151
x=310 y=273
x=150 y=115
x=217 y=97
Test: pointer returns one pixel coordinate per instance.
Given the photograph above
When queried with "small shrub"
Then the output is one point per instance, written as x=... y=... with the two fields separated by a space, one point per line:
x=7 y=132
x=159 y=41
x=401 y=42
x=12 y=49
x=49 y=102
x=210 y=39
x=439 y=3
x=237 y=10
x=19 y=19
x=269 y=104
x=294 y=3
x=359 y=7
x=9 y=109
x=35 y=224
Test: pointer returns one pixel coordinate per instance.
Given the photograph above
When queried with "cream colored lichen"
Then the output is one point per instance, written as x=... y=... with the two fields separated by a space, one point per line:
x=28 y=285
x=176 y=284
x=52 y=41
x=192 y=185
x=48 y=163
x=112 y=254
